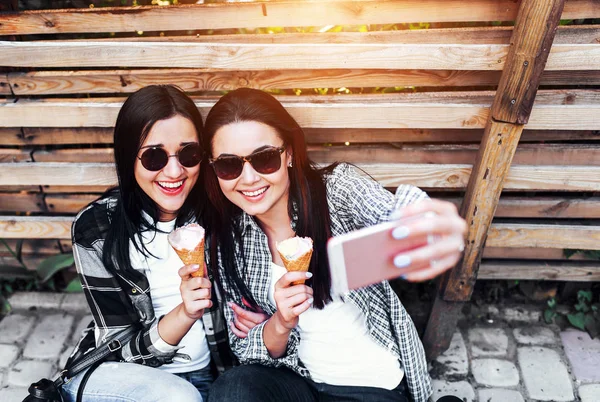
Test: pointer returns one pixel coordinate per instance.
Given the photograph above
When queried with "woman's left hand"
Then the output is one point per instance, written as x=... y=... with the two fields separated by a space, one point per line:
x=244 y=320
x=440 y=222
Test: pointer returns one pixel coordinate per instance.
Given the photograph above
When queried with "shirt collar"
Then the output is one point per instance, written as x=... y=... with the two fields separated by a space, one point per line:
x=247 y=222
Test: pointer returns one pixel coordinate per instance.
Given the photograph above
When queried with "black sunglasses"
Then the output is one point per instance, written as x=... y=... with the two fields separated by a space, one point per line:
x=156 y=158
x=265 y=161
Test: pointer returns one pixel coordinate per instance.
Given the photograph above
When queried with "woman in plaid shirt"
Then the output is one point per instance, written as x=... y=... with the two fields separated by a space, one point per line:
x=130 y=274
x=361 y=346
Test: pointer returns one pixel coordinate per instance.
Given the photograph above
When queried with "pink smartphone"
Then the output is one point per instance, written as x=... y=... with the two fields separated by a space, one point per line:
x=365 y=256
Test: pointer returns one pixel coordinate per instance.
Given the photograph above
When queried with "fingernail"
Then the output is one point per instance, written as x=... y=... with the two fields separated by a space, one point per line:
x=230 y=304
x=401 y=261
x=400 y=232
x=396 y=214
x=196 y=266
x=310 y=301
x=309 y=274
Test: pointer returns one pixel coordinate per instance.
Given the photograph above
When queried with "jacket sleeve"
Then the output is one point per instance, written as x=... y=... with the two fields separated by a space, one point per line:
x=360 y=201
x=112 y=308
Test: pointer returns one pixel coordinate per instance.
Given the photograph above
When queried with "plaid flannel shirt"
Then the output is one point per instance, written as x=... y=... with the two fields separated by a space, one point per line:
x=119 y=300
x=354 y=202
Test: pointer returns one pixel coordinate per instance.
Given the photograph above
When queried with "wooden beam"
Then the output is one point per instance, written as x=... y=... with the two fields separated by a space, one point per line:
x=28 y=227
x=68 y=203
x=234 y=56
x=4 y=85
x=535 y=28
x=14 y=155
x=104 y=135
x=544 y=236
x=579 y=271
x=22 y=202
x=430 y=110
x=31 y=246
x=455 y=177
x=269 y=14
x=195 y=80
x=525 y=253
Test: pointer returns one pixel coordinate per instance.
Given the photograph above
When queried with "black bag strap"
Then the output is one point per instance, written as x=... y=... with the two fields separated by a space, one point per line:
x=98 y=354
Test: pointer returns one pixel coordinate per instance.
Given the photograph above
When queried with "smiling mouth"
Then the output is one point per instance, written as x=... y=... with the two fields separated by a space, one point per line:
x=170 y=185
x=255 y=193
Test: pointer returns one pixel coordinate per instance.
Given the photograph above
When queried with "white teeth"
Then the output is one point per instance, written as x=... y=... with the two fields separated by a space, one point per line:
x=254 y=193
x=167 y=184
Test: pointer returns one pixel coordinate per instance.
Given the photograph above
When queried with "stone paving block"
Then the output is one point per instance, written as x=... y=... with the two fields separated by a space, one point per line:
x=589 y=392
x=49 y=336
x=495 y=372
x=488 y=342
x=8 y=354
x=461 y=389
x=544 y=374
x=27 y=371
x=13 y=394
x=15 y=327
x=499 y=395
x=74 y=302
x=583 y=353
x=455 y=357
x=26 y=300
x=521 y=314
x=535 y=336
x=83 y=323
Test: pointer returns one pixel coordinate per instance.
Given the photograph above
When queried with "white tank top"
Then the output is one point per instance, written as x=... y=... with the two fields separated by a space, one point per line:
x=336 y=347
x=164 y=288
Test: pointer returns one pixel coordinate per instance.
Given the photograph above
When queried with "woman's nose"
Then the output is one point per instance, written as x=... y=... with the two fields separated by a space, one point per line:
x=173 y=168
x=249 y=175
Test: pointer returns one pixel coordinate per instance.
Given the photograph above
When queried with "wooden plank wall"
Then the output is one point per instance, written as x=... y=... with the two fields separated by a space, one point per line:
x=60 y=94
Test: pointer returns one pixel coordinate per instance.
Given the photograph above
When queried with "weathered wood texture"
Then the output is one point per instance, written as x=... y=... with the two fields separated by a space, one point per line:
x=20 y=227
x=233 y=56
x=581 y=271
x=429 y=110
x=104 y=135
x=21 y=202
x=266 y=14
x=530 y=45
x=520 y=178
x=531 y=41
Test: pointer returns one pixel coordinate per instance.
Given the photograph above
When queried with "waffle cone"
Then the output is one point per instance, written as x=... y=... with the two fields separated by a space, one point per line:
x=195 y=256
x=300 y=264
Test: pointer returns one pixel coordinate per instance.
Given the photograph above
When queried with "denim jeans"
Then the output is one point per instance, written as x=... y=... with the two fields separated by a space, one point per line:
x=113 y=381
x=256 y=383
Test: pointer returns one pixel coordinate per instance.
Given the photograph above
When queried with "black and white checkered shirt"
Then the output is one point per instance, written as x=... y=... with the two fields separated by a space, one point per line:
x=120 y=300
x=354 y=202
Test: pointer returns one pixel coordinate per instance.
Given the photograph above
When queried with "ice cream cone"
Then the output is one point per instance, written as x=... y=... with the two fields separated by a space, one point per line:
x=188 y=243
x=298 y=264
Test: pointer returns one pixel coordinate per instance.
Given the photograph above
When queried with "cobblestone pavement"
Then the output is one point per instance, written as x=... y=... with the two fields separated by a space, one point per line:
x=510 y=356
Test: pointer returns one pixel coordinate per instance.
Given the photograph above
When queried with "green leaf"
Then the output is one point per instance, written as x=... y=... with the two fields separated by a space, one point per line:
x=552 y=303
x=585 y=295
x=577 y=320
x=74 y=286
x=549 y=316
x=51 y=265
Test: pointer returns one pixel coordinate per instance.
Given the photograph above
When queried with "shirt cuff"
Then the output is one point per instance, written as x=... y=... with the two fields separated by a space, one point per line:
x=159 y=343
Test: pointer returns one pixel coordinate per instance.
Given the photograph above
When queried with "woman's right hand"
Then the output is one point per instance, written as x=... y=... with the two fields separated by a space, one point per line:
x=291 y=300
x=195 y=292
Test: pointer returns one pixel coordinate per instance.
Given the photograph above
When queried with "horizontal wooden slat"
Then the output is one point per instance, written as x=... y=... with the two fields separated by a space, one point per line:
x=540 y=178
x=20 y=227
x=32 y=246
x=527 y=154
x=267 y=14
x=104 y=135
x=429 y=110
x=14 y=155
x=72 y=189
x=566 y=207
x=191 y=80
x=21 y=202
x=524 y=253
x=70 y=204
x=539 y=271
x=233 y=56
x=4 y=85
x=544 y=236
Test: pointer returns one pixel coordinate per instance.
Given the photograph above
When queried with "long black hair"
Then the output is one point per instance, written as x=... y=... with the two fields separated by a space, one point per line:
x=308 y=198
x=135 y=120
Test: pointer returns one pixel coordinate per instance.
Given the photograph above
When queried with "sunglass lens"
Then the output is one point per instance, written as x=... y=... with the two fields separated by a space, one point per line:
x=154 y=159
x=266 y=162
x=190 y=155
x=228 y=168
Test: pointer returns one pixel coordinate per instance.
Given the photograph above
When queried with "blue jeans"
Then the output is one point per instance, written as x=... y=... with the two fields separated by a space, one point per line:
x=130 y=382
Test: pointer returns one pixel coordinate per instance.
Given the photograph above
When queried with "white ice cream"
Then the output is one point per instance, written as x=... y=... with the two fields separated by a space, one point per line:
x=186 y=237
x=295 y=247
